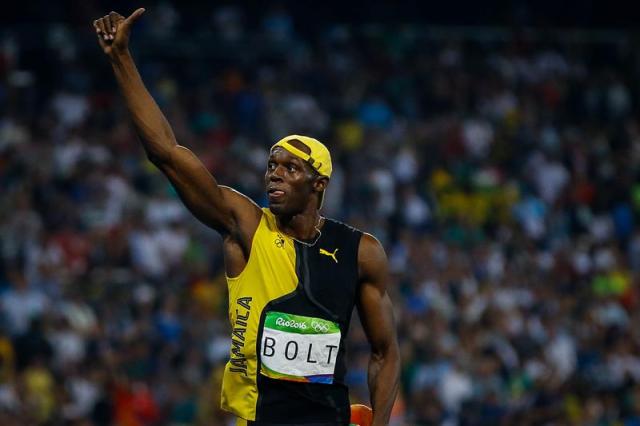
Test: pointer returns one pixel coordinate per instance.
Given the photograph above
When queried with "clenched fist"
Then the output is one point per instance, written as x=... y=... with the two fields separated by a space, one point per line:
x=113 y=31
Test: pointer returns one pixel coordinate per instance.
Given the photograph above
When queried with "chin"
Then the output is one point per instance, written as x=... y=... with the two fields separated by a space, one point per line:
x=277 y=209
x=283 y=209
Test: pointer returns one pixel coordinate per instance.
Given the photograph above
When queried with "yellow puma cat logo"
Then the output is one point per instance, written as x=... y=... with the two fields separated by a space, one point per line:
x=331 y=255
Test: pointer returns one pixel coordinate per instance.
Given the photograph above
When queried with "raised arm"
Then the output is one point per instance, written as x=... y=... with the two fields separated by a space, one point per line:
x=221 y=208
x=376 y=314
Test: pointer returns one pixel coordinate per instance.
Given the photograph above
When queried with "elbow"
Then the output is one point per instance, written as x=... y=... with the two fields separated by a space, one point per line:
x=159 y=157
x=155 y=159
x=387 y=354
x=157 y=146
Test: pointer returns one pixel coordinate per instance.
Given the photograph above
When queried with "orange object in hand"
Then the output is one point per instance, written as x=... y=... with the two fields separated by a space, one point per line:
x=361 y=415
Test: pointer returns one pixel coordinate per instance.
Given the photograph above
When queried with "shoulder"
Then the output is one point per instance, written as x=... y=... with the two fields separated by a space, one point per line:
x=372 y=259
x=370 y=249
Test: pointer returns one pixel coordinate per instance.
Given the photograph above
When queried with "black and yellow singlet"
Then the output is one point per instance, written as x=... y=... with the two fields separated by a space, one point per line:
x=290 y=310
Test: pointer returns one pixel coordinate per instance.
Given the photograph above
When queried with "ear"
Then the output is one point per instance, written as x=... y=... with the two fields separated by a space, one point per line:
x=320 y=184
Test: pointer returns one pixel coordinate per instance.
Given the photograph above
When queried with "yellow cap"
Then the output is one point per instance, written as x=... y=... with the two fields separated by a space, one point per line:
x=319 y=158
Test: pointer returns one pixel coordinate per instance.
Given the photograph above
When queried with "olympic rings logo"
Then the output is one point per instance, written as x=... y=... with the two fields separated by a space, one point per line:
x=319 y=327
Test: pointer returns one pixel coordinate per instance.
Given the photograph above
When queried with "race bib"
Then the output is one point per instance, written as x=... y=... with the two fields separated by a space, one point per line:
x=299 y=348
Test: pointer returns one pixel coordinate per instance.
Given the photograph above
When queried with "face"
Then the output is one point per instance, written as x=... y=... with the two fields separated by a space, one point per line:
x=291 y=183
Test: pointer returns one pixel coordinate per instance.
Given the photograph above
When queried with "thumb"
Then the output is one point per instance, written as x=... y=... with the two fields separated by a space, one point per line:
x=134 y=16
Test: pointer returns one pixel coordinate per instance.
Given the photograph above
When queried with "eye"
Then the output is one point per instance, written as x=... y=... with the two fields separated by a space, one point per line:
x=292 y=168
x=271 y=165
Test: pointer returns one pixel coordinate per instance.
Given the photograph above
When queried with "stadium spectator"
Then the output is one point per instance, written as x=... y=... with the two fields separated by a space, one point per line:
x=500 y=173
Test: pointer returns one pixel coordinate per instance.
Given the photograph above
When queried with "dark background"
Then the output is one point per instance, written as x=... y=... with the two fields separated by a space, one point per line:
x=543 y=13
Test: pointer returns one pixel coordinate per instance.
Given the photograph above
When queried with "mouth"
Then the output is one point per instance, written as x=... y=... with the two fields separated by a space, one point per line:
x=275 y=194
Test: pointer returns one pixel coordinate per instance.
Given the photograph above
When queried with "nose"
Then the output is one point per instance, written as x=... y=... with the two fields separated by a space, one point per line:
x=275 y=175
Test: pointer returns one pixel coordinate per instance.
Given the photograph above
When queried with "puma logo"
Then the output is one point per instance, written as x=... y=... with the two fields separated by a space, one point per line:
x=331 y=255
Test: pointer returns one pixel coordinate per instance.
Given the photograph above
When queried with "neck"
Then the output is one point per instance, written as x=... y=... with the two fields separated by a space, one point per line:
x=303 y=226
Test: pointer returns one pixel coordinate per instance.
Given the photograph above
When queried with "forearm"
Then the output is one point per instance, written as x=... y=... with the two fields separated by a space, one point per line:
x=149 y=121
x=384 y=379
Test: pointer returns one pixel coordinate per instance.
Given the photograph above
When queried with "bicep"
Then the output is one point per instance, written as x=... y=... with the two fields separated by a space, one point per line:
x=376 y=314
x=221 y=208
x=374 y=305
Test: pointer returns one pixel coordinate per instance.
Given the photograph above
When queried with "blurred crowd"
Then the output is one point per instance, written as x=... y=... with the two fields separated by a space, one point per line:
x=500 y=170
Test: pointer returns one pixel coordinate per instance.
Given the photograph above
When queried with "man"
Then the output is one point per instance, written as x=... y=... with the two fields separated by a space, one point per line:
x=294 y=276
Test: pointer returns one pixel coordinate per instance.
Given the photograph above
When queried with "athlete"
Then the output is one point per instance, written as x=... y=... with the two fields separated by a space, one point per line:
x=293 y=275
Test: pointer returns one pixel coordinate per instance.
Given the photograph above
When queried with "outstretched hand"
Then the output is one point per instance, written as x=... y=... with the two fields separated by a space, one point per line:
x=113 y=31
